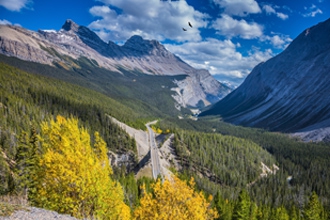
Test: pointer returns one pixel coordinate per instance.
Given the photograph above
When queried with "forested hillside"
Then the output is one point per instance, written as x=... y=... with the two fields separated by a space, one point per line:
x=230 y=161
x=26 y=100
x=304 y=167
x=225 y=160
x=132 y=88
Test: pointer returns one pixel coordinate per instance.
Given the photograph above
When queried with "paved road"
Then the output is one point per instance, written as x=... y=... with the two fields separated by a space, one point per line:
x=153 y=153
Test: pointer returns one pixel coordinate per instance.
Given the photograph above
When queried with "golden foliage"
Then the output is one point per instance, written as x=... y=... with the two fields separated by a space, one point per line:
x=174 y=200
x=73 y=177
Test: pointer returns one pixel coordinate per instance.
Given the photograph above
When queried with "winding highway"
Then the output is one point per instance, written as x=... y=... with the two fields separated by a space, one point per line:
x=153 y=152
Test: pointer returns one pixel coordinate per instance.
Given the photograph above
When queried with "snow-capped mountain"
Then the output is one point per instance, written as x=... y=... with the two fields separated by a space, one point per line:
x=290 y=92
x=71 y=42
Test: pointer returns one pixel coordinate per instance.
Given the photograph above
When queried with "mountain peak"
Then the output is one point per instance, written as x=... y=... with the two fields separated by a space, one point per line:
x=287 y=93
x=73 y=41
x=311 y=41
x=137 y=43
x=70 y=25
x=136 y=38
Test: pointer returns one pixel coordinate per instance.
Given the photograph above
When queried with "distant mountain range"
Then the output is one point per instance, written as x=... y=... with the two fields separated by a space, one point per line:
x=73 y=42
x=289 y=93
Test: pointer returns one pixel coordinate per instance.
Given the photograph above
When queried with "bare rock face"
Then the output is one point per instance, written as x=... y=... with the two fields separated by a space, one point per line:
x=15 y=41
x=199 y=88
x=289 y=92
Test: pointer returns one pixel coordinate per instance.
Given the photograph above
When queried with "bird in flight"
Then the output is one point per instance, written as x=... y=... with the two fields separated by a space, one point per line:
x=184 y=29
x=190 y=24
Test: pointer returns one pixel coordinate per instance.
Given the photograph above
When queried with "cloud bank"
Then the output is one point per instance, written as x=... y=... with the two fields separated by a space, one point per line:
x=231 y=27
x=118 y=20
x=239 y=7
x=15 y=5
x=220 y=57
x=152 y=19
x=270 y=10
x=312 y=11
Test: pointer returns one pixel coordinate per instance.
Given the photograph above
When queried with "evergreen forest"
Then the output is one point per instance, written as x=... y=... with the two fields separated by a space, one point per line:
x=55 y=133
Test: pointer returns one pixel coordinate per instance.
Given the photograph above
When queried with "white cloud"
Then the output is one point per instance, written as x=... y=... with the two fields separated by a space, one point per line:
x=277 y=41
x=102 y=11
x=231 y=27
x=312 y=11
x=270 y=10
x=282 y=16
x=118 y=20
x=15 y=5
x=152 y=19
x=221 y=58
x=239 y=7
x=5 y=22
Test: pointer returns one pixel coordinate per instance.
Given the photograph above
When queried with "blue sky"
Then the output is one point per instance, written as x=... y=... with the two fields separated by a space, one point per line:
x=229 y=37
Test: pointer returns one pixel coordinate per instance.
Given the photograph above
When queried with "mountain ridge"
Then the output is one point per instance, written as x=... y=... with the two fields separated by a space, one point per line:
x=61 y=48
x=288 y=92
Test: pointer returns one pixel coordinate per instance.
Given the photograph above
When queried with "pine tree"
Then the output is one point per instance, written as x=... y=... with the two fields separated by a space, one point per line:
x=27 y=159
x=280 y=213
x=313 y=209
x=294 y=213
x=253 y=211
x=223 y=207
x=242 y=207
x=264 y=212
x=131 y=189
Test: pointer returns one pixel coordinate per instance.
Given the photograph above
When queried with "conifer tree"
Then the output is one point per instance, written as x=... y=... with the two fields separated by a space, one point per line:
x=27 y=159
x=264 y=212
x=242 y=207
x=280 y=213
x=294 y=213
x=253 y=211
x=313 y=209
x=223 y=207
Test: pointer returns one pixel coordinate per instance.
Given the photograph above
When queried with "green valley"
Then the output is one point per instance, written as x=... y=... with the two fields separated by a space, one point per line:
x=225 y=160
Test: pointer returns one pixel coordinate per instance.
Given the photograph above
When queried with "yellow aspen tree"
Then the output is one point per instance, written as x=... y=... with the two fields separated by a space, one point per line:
x=174 y=199
x=73 y=177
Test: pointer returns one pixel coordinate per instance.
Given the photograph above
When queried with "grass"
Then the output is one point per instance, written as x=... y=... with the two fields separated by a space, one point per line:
x=145 y=171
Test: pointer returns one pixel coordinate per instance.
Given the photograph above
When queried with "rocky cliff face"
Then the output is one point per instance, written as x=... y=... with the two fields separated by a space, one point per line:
x=290 y=92
x=72 y=42
x=24 y=44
